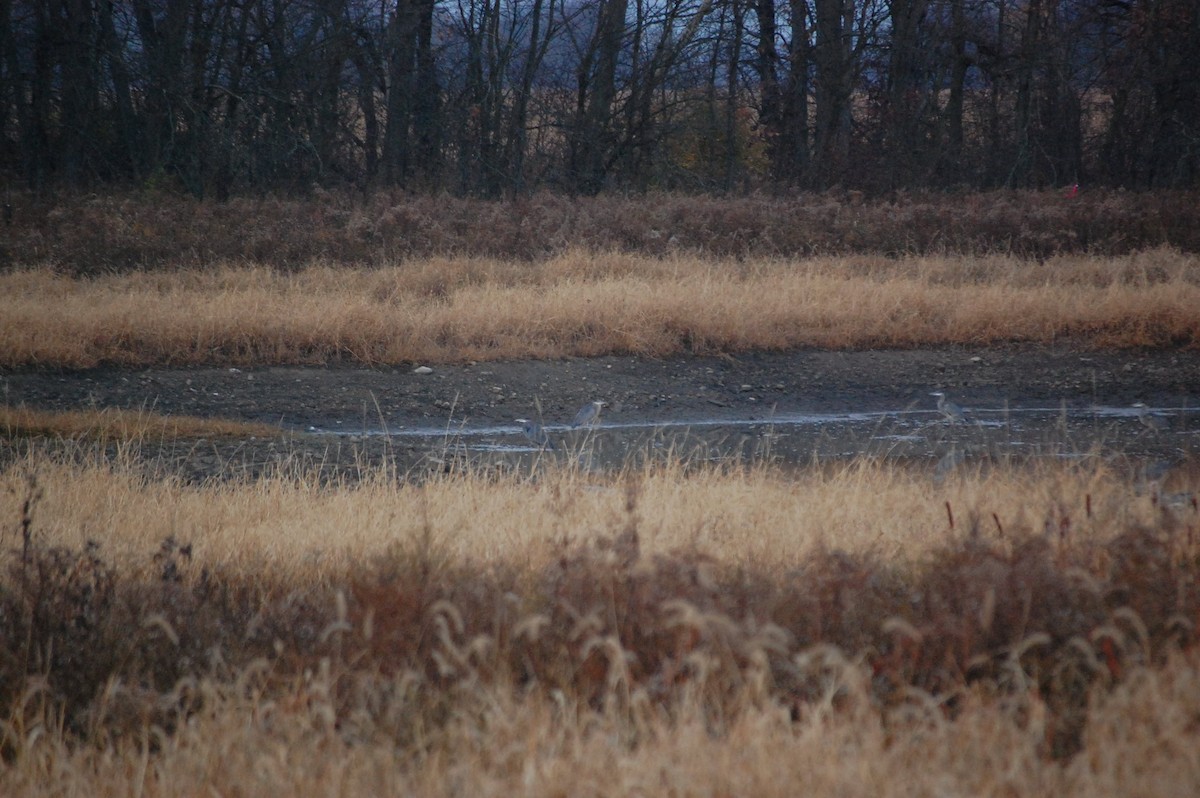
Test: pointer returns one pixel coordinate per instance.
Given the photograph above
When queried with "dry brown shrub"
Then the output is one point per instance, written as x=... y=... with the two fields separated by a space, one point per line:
x=1051 y=611
x=91 y=234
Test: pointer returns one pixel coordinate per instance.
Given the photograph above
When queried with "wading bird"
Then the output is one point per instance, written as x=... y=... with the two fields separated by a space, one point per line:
x=588 y=414
x=536 y=434
x=949 y=410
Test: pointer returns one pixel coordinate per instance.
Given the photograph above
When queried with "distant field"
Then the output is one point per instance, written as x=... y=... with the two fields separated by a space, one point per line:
x=586 y=304
x=856 y=629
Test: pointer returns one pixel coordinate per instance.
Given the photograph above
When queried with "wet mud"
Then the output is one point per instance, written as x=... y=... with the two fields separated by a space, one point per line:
x=793 y=408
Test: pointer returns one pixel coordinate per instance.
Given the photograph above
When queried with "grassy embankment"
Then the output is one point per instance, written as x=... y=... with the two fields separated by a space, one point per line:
x=146 y=279
x=856 y=630
x=585 y=304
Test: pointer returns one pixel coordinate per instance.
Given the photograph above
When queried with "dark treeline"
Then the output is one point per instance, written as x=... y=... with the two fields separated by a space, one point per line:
x=498 y=97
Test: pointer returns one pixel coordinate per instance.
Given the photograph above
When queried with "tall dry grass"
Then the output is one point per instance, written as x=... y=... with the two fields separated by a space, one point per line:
x=688 y=632
x=1142 y=739
x=114 y=424
x=585 y=304
x=297 y=528
x=95 y=234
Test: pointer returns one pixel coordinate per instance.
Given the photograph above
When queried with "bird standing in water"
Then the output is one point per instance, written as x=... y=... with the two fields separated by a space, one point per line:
x=949 y=410
x=588 y=415
x=536 y=434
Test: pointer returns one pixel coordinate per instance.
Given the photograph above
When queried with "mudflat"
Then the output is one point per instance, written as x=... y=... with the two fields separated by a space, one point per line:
x=340 y=411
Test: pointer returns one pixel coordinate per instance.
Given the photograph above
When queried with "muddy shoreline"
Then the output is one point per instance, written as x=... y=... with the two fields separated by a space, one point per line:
x=351 y=405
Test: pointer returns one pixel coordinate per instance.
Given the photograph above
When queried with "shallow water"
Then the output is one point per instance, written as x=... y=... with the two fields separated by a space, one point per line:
x=902 y=433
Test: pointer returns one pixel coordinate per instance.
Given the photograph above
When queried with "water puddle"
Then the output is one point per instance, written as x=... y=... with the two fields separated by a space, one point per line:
x=1056 y=431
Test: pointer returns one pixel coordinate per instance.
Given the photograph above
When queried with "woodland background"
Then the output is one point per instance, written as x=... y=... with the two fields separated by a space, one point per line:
x=492 y=98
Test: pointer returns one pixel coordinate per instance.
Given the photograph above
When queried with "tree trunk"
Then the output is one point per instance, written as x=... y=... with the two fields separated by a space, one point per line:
x=732 y=166
x=794 y=109
x=954 y=105
x=517 y=138
x=1020 y=173
x=593 y=137
x=119 y=74
x=906 y=95
x=833 y=70
x=401 y=61
x=766 y=66
x=426 y=98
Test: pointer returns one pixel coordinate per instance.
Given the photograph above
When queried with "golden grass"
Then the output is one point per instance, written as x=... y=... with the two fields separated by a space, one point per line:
x=116 y=425
x=339 y=727
x=586 y=304
x=1143 y=740
x=300 y=530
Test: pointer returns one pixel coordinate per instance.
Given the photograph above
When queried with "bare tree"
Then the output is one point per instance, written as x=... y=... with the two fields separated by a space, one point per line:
x=500 y=96
x=593 y=137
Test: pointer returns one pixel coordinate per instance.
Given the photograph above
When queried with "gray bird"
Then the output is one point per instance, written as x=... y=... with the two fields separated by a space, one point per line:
x=536 y=434
x=1155 y=424
x=588 y=414
x=949 y=410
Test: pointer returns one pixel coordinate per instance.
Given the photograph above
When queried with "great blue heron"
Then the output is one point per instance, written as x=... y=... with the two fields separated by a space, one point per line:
x=949 y=410
x=1155 y=424
x=588 y=414
x=536 y=434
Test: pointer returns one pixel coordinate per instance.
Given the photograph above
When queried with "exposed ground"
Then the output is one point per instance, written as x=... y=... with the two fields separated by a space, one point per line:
x=347 y=400
x=637 y=388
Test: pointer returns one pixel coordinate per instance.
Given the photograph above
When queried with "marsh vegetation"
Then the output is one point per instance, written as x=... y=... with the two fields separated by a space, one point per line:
x=1013 y=630
x=587 y=304
x=853 y=624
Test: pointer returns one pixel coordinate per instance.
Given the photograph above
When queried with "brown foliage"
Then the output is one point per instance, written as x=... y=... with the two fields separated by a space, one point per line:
x=88 y=234
x=1051 y=613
